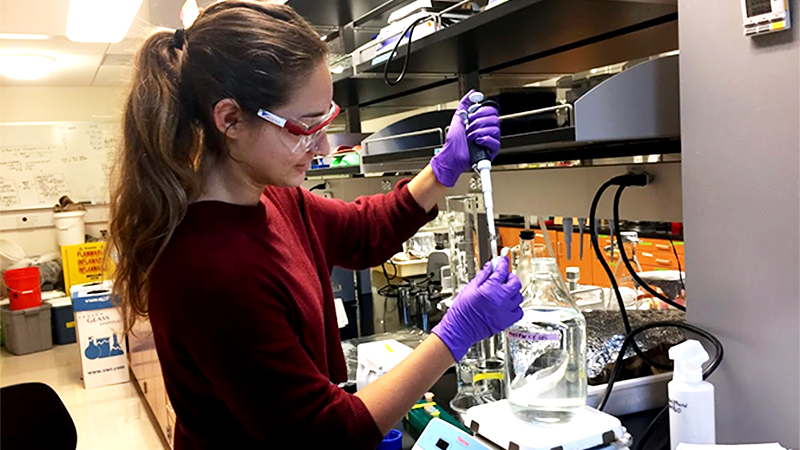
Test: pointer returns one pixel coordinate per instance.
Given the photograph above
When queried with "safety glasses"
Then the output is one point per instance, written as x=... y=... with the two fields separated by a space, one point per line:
x=308 y=134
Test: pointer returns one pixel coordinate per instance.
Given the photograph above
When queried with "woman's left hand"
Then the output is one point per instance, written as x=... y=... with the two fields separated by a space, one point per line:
x=484 y=130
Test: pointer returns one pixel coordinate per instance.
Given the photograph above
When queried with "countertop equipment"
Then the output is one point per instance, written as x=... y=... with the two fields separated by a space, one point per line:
x=591 y=429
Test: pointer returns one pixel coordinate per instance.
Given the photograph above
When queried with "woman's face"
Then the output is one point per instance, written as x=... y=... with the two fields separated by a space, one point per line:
x=268 y=153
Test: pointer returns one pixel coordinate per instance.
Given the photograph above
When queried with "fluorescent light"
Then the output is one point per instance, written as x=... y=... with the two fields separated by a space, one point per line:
x=26 y=67
x=24 y=37
x=189 y=13
x=105 y=21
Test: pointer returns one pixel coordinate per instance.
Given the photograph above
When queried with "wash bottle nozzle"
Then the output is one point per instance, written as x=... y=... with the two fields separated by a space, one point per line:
x=689 y=358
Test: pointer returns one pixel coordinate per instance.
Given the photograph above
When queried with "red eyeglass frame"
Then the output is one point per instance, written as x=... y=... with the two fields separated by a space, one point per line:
x=295 y=126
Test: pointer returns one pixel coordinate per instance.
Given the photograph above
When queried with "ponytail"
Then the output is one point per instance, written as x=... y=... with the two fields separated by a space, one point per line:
x=156 y=174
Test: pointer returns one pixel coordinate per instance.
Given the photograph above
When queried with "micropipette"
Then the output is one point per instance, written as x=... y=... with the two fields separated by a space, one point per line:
x=481 y=161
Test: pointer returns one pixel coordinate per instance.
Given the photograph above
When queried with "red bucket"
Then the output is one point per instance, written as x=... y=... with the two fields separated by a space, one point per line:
x=24 y=288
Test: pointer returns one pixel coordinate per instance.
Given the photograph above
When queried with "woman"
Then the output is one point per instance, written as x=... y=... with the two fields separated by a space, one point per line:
x=231 y=259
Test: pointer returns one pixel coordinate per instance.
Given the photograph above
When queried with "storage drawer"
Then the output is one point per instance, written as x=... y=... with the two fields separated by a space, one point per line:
x=660 y=246
x=660 y=264
x=659 y=260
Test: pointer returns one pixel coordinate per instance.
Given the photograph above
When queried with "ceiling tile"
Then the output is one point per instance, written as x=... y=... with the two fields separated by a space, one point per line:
x=37 y=17
x=71 y=70
x=113 y=76
x=54 y=45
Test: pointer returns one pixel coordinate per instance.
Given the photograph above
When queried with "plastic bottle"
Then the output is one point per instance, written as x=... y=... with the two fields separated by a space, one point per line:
x=691 y=400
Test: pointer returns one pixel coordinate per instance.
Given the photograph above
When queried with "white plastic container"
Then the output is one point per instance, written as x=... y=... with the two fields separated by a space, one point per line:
x=691 y=400
x=70 y=227
x=10 y=253
x=377 y=358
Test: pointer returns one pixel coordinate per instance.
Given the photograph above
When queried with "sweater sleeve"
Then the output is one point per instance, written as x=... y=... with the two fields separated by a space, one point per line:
x=264 y=375
x=369 y=230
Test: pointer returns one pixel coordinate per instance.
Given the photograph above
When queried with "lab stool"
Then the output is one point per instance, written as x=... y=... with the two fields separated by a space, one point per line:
x=32 y=416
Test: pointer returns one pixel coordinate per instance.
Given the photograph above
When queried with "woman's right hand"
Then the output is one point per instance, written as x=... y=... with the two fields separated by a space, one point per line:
x=486 y=306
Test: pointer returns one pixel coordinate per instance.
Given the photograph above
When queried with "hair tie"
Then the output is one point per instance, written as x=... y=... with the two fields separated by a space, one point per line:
x=178 y=38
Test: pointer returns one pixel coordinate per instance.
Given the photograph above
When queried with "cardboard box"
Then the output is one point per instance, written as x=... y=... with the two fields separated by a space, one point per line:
x=83 y=263
x=100 y=329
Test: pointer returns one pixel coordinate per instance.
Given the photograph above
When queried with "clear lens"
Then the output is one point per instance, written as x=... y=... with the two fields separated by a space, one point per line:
x=312 y=143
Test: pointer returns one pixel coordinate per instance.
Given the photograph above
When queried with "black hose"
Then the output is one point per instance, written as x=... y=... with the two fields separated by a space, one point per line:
x=715 y=362
x=599 y=252
x=624 y=179
x=627 y=261
x=651 y=428
x=409 y=31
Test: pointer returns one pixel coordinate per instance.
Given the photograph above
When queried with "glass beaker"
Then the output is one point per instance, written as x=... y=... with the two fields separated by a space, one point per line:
x=468 y=240
x=421 y=244
x=545 y=351
x=462 y=230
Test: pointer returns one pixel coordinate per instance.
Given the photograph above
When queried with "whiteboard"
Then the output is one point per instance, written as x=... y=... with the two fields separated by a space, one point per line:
x=40 y=162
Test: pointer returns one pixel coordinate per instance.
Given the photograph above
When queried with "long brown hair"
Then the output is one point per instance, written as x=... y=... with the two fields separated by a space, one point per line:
x=254 y=53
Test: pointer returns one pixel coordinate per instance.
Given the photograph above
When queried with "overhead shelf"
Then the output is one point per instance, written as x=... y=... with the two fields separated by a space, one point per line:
x=520 y=38
x=373 y=94
x=333 y=13
x=516 y=151
x=333 y=171
x=520 y=31
x=529 y=149
x=370 y=90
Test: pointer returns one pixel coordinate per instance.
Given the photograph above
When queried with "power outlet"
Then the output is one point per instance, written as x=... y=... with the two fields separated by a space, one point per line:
x=327 y=194
x=29 y=221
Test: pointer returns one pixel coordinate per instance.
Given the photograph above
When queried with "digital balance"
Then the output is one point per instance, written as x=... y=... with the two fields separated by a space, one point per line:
x=495 y=426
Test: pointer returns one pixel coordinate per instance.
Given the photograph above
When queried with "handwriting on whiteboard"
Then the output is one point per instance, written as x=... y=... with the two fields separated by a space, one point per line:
x=51 y=186
x=40 y=162
x=8 y=193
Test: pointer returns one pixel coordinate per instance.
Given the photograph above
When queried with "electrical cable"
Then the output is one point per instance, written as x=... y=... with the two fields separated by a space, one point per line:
x=623 y=182
x=393 y=290
x=651 y=428
x=627 y=261
x=409 y=31
x=629 y=340
x=678 y=259
x=598 y=252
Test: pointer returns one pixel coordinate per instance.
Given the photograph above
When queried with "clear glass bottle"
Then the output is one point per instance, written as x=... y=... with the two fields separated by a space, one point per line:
x=546 y=350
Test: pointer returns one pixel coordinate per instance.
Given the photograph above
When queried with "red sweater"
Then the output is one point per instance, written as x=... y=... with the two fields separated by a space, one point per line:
x=244 y=322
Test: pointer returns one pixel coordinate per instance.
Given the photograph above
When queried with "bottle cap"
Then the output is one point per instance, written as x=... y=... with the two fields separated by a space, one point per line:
x=689 y=357
x=527 y=234
x=392 y=441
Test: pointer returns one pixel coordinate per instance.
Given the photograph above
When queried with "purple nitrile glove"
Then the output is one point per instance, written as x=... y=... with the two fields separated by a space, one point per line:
x=484 y=129
x=486 y=306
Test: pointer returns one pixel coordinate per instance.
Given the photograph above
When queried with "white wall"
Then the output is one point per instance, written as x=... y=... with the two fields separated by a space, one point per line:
x=740 y=128
x=41 y=104
x=44 y=104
